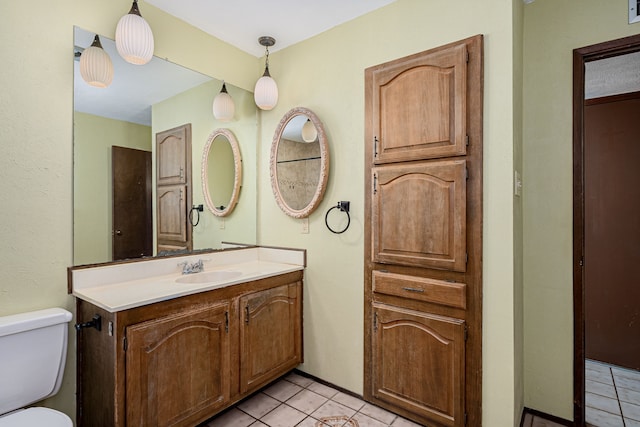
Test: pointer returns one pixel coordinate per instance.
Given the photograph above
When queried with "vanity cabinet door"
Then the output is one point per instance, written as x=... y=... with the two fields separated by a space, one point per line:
x=270 y=334
x=419 y=214
x=178 y=367
x=418 y=363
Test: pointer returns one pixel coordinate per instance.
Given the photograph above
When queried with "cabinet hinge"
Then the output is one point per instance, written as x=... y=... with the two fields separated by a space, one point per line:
x=375 y=321
x=467 y=58
x=226 y=321
x=375 y=183
x=465 y=418
x=466 y=333
x=246 y=314
x=466 y=140
x=375 y=146
x=124 y=344
x=466 y=258
x=466 y=173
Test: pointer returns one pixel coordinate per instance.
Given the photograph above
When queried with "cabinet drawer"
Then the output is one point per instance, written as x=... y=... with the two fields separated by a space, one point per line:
x=451 y=294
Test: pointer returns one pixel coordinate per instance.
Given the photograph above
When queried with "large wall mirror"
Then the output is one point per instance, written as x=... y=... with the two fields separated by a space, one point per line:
x=299 y=162
x=221 y=172
x=127 y=114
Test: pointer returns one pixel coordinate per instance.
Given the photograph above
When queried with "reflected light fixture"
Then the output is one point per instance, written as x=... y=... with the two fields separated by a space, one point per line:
x=96 y=67
x=309 y=132
x=134 y=39
x=223 y=106
x=266 y=91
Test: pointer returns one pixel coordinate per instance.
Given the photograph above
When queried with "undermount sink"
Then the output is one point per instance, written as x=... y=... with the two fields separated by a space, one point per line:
x=209 y=276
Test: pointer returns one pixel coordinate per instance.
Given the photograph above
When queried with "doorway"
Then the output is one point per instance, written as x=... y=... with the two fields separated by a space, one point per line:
x=600 y=189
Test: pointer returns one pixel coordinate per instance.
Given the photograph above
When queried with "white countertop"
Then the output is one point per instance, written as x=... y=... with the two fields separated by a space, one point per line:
x=106 y=286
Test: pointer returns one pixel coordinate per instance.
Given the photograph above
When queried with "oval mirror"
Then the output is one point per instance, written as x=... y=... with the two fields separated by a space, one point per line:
x=299 y=162
x=221 y=172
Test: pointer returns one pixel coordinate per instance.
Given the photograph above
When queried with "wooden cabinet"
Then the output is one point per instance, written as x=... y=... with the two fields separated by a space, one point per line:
x=173 y=188
x=269 y=334
x=181 y=361
x=423 y=257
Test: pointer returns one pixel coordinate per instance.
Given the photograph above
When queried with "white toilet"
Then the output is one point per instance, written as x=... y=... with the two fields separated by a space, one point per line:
x=33 y=349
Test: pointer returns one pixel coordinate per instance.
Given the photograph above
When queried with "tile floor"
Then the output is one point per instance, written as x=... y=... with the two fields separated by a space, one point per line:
x=536 y=421
x=301 y=402
x=612 y=396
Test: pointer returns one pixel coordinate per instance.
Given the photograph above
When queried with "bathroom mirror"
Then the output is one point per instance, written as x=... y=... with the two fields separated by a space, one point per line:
x=221 y=172
x=299 y=162
x=118 y=116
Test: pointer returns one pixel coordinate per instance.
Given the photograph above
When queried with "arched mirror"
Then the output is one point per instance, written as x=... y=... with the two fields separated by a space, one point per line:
x=221 y=172
x=299 y=162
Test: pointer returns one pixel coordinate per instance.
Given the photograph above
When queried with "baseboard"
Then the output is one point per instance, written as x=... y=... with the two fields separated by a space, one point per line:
x=548 y=417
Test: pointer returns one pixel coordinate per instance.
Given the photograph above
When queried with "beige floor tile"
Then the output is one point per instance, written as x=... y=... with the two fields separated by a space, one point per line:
x=259 y=405
x=378 y=413
x=258 y=424
x=541 y=422
x=232 y=418
x=629 y=396
x=622 y=382
x=626 y=373
x=283 y=416
x=597 y=366
x=602 y=419
x=630 y=410
x=306 y=401
x=310 y=422
x=298 y=379
x=333 y=409
x=322 y=389
x=401 y=422
x=600 y=388
x=348 y=400
x=365 y=421
x=282 y=390
x=631 y=423
x=599 y=377
x=603 y=403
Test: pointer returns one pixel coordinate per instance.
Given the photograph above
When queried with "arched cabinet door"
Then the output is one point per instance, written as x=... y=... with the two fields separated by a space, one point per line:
x=419 y=107
x=419 y=214
x=419 y=363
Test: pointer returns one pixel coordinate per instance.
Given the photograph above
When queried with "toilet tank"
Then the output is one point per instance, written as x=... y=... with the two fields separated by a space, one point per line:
x=33 y=348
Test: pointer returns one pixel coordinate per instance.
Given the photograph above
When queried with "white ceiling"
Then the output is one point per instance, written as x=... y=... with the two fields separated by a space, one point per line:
x=241 y=22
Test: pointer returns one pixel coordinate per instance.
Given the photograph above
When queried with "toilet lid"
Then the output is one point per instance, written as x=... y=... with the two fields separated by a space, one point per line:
x=36 y=416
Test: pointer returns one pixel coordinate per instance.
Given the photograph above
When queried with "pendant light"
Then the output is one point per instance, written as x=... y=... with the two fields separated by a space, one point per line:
x=223 y=106
x=266 y=91
x=309 y=132
x=134 y=39
x=96 y=67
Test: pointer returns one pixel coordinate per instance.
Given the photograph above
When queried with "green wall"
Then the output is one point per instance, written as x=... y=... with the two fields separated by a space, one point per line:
x=92 y=192
x=553 y=28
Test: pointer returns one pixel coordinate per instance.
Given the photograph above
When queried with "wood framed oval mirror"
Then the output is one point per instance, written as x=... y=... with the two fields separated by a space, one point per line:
x=299 y=162
x=221 y=172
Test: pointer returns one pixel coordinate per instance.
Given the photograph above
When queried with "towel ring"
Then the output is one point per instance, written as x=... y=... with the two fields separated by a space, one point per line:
x=343 y=207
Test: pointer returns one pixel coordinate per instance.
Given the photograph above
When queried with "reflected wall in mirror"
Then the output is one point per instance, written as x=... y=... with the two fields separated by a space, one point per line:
x=122 y=115
x=221 y=172
x=299 y=162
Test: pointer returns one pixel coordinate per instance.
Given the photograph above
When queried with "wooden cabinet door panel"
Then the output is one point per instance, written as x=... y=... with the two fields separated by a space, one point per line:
x=173 y=150
x=270 y=334
x=418 y=363
x=178 y=367
x=419 y=106
x=172 y=213
x=419 y=214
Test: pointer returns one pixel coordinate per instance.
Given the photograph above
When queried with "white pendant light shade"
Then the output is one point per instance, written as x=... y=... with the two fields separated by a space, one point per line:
x=266 y=92
x=134 y=39
x=223 y=105
x=96 y=67
x=309 y=132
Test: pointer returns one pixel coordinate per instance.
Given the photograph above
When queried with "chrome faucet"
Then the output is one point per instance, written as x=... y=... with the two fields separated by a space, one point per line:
x=195 y=267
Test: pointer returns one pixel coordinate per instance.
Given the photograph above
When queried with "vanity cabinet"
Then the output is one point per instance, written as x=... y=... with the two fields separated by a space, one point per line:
x=181 y=361
x=423 y=216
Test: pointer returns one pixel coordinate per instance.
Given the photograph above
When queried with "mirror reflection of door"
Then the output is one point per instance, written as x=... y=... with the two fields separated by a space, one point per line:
x=612 y=241
x=132 y=213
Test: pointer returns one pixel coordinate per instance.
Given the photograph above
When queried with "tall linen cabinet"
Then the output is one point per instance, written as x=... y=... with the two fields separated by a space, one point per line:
x=423 y=244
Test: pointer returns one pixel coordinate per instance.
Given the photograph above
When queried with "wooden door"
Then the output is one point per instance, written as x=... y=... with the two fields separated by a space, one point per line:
x=419 y=363
x=168 y=386
x=132 y=230
x=419 y=214
x=420 y=106
x=173 y=189
x=270 y=334
x=612 y=230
